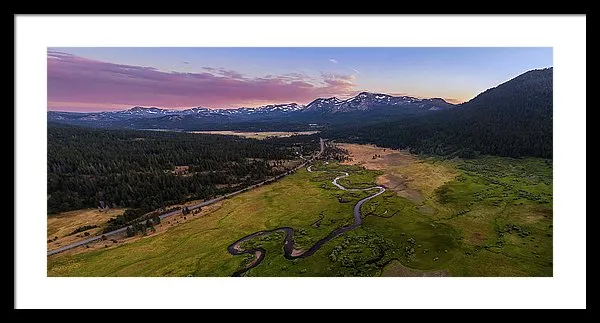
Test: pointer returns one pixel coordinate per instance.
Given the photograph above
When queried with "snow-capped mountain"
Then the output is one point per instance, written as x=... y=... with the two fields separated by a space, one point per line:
x=321 y=104
x=364 y=105
x=200 y=111
x=290 y=107
x=365 y=101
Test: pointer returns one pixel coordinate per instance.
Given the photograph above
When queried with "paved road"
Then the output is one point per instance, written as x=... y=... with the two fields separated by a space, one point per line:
x=208 y=202
x=288 y=246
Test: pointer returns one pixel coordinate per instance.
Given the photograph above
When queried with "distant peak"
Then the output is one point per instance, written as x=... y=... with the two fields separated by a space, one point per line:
x=365 y=93
x=333 y=98
x=438 y=99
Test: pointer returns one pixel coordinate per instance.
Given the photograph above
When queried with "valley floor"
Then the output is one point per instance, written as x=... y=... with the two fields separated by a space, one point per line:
x=489 y=216
x=257 y=134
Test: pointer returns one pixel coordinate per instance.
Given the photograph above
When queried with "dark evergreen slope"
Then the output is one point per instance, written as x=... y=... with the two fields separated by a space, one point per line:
x=513 y=119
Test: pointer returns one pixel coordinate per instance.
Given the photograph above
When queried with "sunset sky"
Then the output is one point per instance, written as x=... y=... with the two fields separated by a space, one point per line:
x=104 y=79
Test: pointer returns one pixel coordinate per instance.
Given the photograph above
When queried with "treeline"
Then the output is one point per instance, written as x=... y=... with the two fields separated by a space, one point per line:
x=128 y=168
x=334 y=152
x=513 y=119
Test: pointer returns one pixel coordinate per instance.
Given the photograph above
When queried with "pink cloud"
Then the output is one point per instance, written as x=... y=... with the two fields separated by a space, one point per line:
x=76 y=83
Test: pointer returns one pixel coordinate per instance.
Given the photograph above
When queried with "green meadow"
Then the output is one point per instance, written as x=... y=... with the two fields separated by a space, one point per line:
x=493 y=219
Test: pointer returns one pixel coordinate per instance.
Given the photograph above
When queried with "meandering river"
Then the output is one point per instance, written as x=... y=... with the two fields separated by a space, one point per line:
x=288 y=246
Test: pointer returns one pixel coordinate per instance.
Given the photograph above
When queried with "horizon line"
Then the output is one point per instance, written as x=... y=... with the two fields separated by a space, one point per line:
x=452 y=101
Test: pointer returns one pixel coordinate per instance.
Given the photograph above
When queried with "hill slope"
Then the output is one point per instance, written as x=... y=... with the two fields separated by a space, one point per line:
x=513 y=119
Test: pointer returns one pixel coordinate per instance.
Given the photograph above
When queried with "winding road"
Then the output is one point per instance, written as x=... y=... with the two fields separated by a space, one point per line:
x=288 y=246
x=193 y=207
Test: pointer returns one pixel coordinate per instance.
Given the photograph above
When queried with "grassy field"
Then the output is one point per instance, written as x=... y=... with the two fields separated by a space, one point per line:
x=61 y=227
x=485 y=217
x=503 y=209
x=260 y=135
x=199 y=247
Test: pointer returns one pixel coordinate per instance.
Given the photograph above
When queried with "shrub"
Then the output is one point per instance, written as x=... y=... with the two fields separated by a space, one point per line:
x=130 y=231
x=82 y=228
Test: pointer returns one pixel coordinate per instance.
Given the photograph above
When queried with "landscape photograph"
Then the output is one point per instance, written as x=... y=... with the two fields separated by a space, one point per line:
x=299 y=162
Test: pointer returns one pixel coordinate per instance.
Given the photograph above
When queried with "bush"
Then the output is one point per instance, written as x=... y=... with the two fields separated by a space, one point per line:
x=130 y=231
x=83 y=228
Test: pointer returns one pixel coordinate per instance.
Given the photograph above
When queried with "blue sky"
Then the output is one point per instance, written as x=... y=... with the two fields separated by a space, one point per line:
x=79 y=79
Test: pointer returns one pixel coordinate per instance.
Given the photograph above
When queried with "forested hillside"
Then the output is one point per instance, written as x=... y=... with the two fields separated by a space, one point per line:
x=137 y=169
x=513 y=119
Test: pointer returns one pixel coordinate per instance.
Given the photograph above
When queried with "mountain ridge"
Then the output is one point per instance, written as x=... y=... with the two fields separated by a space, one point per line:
x=511 y=119
x=365 y=105
x=291 y=106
